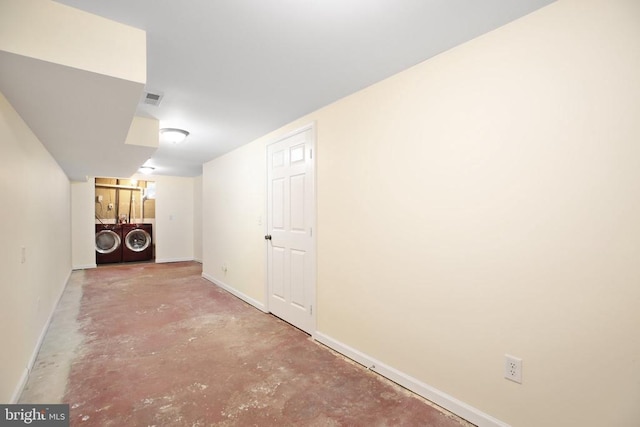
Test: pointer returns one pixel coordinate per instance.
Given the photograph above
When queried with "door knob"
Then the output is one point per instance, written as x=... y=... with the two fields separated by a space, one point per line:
x=267 y=237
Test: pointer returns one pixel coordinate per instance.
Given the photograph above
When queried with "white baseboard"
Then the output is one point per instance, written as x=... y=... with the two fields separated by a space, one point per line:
x=17 y=392
x=434 y=395
x=257 y=304
x=84 y=266
x=34 y=354
x=166 y=260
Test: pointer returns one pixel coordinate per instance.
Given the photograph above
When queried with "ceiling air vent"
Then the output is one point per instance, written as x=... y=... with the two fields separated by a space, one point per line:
x=152 y=98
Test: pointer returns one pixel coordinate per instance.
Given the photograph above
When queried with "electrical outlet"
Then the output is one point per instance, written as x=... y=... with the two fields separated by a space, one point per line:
x=110 y=206
x=513 y=368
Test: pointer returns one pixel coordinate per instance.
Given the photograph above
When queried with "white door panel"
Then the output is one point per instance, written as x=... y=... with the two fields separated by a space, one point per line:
x=278 y=203
x=277 y=272
x=298 y=294
x=297 y=197
x=291 y=213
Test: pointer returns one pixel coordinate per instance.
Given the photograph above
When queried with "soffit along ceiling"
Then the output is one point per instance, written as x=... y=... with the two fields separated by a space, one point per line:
x=231 y=71
x=82 y=118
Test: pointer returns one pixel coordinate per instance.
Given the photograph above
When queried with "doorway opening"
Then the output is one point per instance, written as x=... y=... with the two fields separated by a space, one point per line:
x=124 y=220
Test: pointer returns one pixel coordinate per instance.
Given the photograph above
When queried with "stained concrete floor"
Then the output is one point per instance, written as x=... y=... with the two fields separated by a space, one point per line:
x=157 y=345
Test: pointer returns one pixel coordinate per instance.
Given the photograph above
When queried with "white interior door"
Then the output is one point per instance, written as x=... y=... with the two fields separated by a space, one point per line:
x=290 y=239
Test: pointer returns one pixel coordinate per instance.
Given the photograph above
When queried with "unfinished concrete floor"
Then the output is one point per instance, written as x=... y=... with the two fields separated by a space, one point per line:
x=155 y=344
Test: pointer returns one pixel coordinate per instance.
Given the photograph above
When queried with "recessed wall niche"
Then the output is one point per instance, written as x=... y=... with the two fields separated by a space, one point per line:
x=120 y=201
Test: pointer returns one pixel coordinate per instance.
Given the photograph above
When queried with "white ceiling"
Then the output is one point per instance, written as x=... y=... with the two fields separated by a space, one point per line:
x=234 y=70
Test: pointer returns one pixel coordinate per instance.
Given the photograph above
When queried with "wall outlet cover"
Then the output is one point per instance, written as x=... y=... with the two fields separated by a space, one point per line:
x=513 y=368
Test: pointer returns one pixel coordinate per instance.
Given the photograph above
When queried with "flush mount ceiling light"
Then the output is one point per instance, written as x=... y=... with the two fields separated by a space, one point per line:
x=147 y=170
x=173 y=135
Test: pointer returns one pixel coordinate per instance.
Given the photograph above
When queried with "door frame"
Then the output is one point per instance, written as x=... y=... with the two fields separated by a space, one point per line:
x=313 y=218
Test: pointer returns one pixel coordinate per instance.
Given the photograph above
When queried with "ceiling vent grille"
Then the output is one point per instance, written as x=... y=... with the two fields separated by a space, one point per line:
x=152 y=98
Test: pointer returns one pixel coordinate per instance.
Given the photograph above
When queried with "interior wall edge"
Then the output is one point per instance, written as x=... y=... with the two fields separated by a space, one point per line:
x=450 y=403
x=257 y=304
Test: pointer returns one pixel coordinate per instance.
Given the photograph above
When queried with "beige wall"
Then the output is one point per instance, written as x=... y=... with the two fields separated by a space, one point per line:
x=197 y=218
x=35 y=215
x=173 y=226
x=481 y=203
x=234 y=198
x=174 y=218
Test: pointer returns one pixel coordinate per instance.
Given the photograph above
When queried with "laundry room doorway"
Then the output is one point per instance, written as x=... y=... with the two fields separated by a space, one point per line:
x=125 y=220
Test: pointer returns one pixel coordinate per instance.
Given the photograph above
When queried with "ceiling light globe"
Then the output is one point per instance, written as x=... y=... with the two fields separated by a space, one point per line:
x=147 y=170
x=173 y=135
